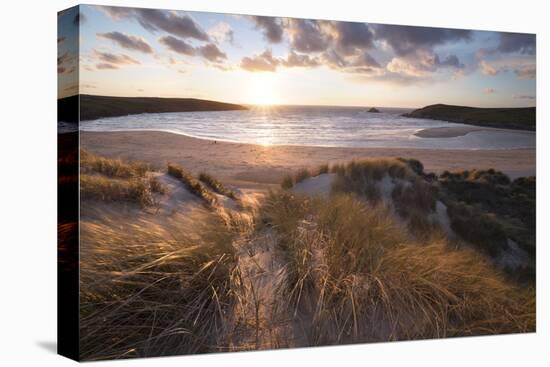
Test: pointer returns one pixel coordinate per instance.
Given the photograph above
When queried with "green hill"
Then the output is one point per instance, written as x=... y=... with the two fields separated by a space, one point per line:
x=94 y=107
x=506 y=118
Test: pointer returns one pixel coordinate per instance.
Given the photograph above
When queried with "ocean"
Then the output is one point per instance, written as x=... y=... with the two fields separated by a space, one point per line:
x=313 y=126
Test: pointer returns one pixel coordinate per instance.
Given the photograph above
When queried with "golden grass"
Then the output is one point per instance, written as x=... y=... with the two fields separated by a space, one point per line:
x=352 y=270
x=114 y=180
x=191 y=183
x=216 y=186
x=106 y=189
x=145 y=295
x=355 y=276
x=302 y=174
x=111 y=167
x=287 y=183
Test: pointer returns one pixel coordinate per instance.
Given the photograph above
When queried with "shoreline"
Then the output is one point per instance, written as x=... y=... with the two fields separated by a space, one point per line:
x=430 y=132
x=264 y=166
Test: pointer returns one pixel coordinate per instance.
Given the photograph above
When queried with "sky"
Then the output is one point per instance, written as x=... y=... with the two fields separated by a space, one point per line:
x=246 y=59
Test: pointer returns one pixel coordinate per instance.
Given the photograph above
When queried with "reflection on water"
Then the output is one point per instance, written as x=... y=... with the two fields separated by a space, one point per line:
x=313 y=125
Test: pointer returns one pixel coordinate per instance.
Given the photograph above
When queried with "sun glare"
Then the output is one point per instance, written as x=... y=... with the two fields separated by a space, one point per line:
x=263 y=89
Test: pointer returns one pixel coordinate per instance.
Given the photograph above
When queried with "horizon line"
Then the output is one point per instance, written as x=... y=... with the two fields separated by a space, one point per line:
x=285 y=104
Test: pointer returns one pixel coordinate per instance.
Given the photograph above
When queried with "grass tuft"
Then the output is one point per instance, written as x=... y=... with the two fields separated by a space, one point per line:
x=323 y=169
x=106 y=189
x=301 y=175
x=90 y=163
x=216 y=186
x=191 y=183
x=287 y=183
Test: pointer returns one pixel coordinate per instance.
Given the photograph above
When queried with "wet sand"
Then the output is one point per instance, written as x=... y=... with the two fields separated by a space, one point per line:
x=451 y=132
x=262 y=167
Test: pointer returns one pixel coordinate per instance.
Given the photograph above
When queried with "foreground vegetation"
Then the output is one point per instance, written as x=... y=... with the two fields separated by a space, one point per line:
x=357 y=275
x=145 y=295
x=112 y=180
x=371 y=260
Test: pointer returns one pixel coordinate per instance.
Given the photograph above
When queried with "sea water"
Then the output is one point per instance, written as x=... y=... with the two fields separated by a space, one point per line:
x=314 y=126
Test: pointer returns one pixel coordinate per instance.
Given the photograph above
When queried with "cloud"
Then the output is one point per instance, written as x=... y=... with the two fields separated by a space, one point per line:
x=177 y=45
x=388 y=77
x=365 y=60
x=350 y=37
x=106 y=66
x=262 y=62
x=222 y=32
x=517 y=42
x=421 y=63
x=487 y=69
x=307 y=36
x=180 y=25
x=66 y=63
x=270 y=27
x=402 y=66
x=450 y=61
x=406 y=40
x=521 y=67
x=128 y=42
x=489 y=91
x=115 y=12
x=211 y=52
x=333 y=60
x=298 y=60
x=529 y=97
x=527 y=72
x=222 y=67
x=110 y=58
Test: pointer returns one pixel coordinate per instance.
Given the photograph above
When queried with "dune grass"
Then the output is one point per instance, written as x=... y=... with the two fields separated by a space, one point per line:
x=116 y=190
x=191 y=183
x=353 y=268
x=486 y=203
x=355 y=277
x=216 y=186
x=363 y=177
x=323 y=169
x=111 y=167
x=114 y=180
x=143 y=295
x=302 y=174
x=478 y=228
x=288 y=182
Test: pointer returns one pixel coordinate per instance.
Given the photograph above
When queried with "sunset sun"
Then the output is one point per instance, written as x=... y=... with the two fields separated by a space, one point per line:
x=263 y=89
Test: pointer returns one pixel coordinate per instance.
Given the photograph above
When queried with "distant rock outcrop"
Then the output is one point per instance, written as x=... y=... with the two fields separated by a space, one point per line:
x=374 y=110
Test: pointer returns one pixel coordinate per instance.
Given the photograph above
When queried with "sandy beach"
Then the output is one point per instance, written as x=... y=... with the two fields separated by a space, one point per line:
x=451 y=132
x=262 y=167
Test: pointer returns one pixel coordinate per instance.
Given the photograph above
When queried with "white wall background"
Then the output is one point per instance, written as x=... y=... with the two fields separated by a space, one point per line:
x=28 y=182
